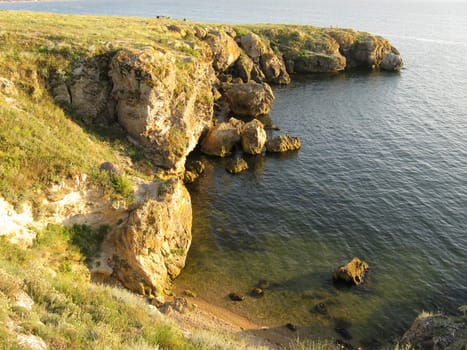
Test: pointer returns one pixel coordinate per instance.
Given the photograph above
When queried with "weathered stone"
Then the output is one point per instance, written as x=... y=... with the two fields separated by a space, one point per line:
x=87 y=90
x=7 y=86
x=312 y=62
x=225 y=50
x=236 y=165
x=151 y=248
x=253 y=137
x=249 y=99
x=391 y=62
x=283 y=143
x=31 y=342
x=369 y=51
x=271 y=65
x=274 y=69
x=254 y=46
x=436 y=331
x=220 y=140
x=165 y=114
x=353 y=272
x=244 y=67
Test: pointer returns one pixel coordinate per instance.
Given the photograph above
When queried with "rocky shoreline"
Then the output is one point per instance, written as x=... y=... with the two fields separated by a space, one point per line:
x=193 y=87
x=169 y=101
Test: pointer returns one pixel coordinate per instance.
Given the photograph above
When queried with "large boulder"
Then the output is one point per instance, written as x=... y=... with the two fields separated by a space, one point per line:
x=221 y=138
x=151 y=247
x=260 y=52
x=225 y=50
x=164 y=107
x=253 y=137
x=353 y=272
x=436 y=331
x=283 y=143
x=249 y=99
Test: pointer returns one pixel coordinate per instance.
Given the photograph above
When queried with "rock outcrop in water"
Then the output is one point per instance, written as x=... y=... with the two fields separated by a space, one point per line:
x=353 y=272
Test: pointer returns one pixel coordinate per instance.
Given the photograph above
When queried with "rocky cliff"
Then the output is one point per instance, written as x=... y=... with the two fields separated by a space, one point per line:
x=164 y=83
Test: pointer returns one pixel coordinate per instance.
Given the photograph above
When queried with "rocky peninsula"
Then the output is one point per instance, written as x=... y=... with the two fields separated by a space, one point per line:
x=118 y=105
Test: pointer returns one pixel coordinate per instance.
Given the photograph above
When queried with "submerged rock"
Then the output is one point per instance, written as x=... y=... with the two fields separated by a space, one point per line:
x=236 y=165
x=291 y=327
x=283 y=143
x=236 y=297
x=257 y=292
x=353 y=272
x=249 y=99
x=321 y=308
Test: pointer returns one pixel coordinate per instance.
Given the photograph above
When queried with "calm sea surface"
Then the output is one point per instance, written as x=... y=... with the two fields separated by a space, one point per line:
x=382 y=175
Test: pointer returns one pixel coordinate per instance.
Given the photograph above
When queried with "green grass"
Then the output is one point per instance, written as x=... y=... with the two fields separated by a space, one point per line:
x=70 y=311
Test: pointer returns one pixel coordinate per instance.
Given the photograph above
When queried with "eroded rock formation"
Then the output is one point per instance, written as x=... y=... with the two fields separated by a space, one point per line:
x=157 y=105
x=151 y=247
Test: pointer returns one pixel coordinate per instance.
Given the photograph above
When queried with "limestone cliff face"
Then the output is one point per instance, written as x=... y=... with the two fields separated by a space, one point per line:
x=163 y=108
x=151 y=247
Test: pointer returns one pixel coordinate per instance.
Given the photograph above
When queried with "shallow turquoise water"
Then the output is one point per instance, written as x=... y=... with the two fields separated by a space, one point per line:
x=382 y=175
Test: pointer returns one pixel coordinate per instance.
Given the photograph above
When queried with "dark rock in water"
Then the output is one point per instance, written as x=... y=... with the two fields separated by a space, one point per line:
x=353 y=272
x=257 y=292
x=321 y=309
x=283 y=143
x=263 y=284
x=236 y=165
x=196 y=166
x=236 y=297
x=343 y=332
x=193 y=169
x=291 y=326
x=342 y=345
